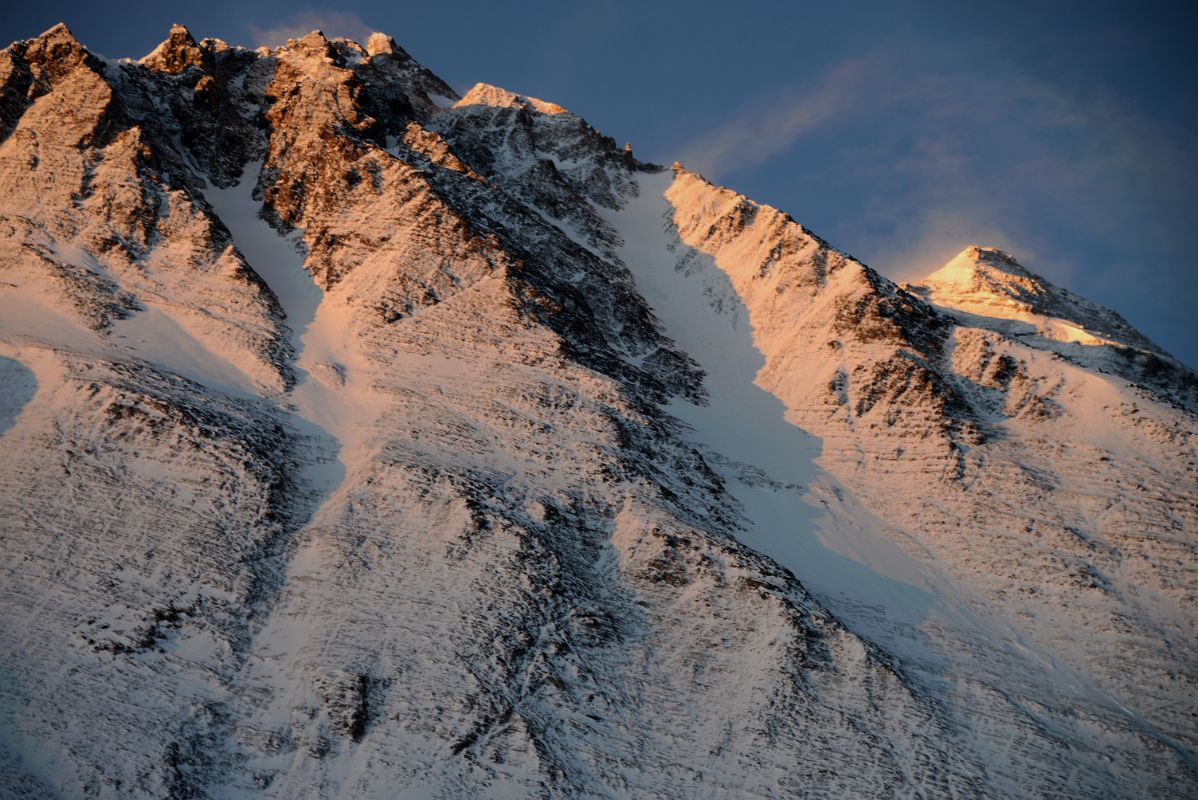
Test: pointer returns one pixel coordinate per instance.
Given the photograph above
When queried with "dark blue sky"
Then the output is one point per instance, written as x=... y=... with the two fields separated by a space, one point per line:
x=1063 y=132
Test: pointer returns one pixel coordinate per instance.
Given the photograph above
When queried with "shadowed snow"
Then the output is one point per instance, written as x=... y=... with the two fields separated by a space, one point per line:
x=17 y=387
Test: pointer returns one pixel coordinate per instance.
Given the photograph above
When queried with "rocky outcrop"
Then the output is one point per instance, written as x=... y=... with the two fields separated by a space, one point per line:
x=349 y=459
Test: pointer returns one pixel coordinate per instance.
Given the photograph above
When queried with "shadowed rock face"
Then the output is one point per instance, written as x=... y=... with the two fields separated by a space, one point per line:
x=442 y=529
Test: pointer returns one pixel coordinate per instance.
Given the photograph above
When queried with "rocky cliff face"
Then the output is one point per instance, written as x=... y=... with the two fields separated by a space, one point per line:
x=360 y=439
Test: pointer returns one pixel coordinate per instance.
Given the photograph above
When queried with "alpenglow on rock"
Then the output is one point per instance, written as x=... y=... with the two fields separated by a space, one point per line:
x=361 y=440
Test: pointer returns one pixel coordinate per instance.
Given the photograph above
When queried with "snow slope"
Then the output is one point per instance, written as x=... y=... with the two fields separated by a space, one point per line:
x=361 y=440
x=742 y=430
x=904 y=598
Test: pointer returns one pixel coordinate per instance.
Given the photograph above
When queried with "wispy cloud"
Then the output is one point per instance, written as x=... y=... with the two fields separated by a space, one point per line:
x=914 y=160
x=755 y=134
x=333 y=23
x=936 y=235
x=1037 y=169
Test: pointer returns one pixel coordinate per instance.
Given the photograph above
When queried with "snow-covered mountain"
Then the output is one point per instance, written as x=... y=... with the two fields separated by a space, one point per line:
x=364 y=440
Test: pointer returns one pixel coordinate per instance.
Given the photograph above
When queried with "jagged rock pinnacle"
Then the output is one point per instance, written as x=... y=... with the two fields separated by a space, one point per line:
x=56 y=29
x=53 y=54
x=54 y=42
x=178 y=53
x=381 y=44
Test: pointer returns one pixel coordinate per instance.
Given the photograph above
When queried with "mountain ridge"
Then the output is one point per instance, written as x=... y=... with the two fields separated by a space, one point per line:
x=404 y=444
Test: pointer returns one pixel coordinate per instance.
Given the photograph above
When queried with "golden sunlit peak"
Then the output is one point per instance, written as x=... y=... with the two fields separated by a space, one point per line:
x=484 y=94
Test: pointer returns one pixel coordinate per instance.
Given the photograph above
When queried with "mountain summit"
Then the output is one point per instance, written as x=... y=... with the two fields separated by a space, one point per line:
x=361 y=439
x=995 y=291
x=992 y=282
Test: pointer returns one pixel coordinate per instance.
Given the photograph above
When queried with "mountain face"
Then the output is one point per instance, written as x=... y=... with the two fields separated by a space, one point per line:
x=364 y=440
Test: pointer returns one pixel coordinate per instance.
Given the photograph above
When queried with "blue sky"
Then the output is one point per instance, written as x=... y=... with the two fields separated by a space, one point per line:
x=1063 y=132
